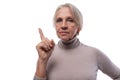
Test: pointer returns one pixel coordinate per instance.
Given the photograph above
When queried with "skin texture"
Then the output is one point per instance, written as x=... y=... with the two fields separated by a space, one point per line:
x=66 y=28
x=44 y=48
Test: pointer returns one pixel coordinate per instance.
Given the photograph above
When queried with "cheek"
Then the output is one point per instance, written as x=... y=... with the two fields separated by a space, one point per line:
x=73 y=31
x=57 y=30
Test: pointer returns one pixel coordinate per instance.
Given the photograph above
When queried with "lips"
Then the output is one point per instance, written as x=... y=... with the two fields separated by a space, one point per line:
x=63 y=33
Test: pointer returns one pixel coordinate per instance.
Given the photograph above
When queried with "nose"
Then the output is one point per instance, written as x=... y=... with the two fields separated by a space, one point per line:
x=64 y=25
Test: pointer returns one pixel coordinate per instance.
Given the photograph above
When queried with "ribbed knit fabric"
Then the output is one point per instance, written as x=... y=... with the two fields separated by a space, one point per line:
x=73 y=60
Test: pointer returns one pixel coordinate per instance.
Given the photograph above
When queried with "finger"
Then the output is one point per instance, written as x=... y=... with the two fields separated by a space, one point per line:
x=49 y=42
x=53 y=43
x=42 y=46
x=46 y=42
x=41 y=33
x=45 y=48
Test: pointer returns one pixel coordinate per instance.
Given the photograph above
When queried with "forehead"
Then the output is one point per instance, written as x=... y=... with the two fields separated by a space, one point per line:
x=64 y=12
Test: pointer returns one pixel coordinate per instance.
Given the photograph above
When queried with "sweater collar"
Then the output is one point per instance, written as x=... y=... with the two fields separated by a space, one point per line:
x=69 y=44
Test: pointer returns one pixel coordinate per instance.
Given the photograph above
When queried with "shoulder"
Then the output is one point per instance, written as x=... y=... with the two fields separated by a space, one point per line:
x=98 y=54
x=89 y=48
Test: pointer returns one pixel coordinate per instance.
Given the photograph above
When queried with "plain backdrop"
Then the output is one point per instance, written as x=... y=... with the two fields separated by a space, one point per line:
x=20 y=20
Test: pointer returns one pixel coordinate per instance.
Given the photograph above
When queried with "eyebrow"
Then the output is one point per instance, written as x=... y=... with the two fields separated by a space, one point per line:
x=69 y=17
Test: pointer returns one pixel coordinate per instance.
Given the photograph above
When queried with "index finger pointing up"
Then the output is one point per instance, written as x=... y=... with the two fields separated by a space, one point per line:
x=41 y=33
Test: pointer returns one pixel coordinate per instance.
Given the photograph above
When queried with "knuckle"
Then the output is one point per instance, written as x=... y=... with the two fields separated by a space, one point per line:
x=37 y=46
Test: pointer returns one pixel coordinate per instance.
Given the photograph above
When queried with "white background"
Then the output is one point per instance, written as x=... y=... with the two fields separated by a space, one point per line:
x=20 y=20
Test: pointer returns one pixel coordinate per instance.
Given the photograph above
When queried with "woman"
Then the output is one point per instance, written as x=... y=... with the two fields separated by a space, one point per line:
x=70 y=59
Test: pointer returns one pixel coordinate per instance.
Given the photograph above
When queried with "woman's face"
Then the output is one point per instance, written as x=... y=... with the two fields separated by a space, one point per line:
x=66 y=28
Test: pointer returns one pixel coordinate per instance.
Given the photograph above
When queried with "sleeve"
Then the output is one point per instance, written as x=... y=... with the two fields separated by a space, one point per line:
x=107 y=66
x=38 y=78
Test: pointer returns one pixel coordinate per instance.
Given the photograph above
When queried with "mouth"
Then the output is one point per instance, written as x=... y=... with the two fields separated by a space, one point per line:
x=63 y=33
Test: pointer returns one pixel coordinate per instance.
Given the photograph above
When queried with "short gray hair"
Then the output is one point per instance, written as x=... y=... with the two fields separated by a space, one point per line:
x=77 y=16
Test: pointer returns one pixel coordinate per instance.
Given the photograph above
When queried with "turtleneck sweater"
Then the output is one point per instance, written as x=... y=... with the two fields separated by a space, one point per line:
x=73 y=60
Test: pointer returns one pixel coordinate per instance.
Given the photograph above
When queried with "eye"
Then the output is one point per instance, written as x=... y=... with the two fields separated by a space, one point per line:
x=70 y=19
x=59 y=20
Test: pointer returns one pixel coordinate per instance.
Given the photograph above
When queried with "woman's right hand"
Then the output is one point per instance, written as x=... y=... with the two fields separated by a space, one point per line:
x=45 y=47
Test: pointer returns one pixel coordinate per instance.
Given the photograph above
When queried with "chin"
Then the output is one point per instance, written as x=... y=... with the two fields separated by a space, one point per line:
x=64 y=38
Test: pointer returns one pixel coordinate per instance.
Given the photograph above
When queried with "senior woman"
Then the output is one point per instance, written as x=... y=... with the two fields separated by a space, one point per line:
x=70 y=59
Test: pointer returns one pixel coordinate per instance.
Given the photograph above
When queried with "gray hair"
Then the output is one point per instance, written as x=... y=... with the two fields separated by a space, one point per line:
x=77 y=16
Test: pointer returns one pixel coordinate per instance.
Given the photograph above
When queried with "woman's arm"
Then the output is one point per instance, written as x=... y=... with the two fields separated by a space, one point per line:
x=40 y=73
x=107 y=66
x=44 y=49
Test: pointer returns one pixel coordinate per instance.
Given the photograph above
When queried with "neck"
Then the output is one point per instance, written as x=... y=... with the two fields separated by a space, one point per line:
x=69 y=44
